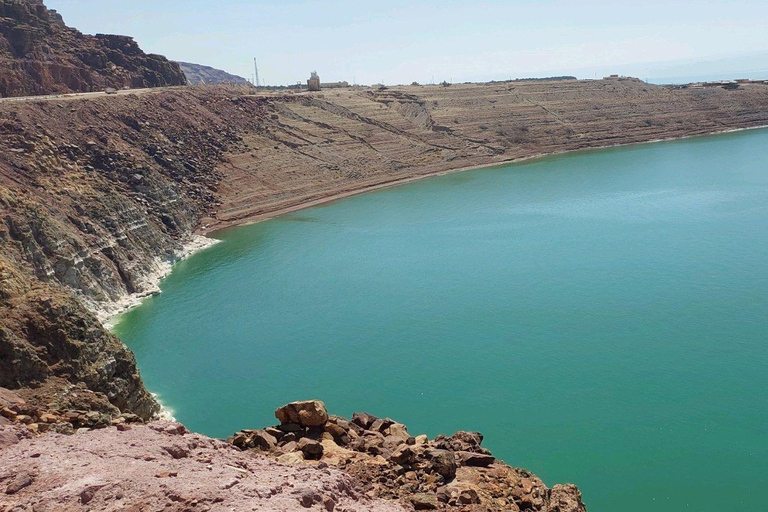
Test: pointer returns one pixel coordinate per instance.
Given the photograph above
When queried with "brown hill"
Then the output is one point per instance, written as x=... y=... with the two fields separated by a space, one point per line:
x=40 y=54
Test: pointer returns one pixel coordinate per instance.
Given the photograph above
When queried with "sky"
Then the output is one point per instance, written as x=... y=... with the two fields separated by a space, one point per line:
x=396 y=41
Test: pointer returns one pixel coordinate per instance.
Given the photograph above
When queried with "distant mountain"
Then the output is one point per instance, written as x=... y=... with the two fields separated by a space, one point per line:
x=754 y=66
x=198 y=74
x=40 y=54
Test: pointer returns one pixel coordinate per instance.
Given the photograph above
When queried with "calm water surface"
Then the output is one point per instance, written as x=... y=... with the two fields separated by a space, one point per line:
x=601 y=317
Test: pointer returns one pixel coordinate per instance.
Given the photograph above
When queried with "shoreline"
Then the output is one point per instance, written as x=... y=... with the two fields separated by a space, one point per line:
x=108 y=312
x=286 y=207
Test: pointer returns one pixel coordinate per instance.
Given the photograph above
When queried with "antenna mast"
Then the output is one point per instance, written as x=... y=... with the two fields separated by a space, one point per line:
x=256 y=74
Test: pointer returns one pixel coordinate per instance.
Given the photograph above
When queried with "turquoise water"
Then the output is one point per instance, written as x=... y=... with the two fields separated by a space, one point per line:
x=601 y=317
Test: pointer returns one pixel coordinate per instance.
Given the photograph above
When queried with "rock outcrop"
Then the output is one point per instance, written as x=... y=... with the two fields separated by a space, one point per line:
x=161 y=466
x=197 y=74
x=92 y=214
x=39 y=54
x=60 y=356
x=445 y=473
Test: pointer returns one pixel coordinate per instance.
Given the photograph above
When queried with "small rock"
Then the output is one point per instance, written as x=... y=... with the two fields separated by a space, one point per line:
x=177 y=451
x=311 y=448
x=19 y=482
x=380 y=425
x=48 y=418
x=88 y=493
x=566 y=498
x=240 y=440
x=363 y=419
x=290 y=428
x=335 y=430
x=328 y=503
x=263 y=440
x=468 y=497
x=424 y=501
x=475 y=459
x=307 y=498
x=404 y=454
x=8 y=413
x=292 y=458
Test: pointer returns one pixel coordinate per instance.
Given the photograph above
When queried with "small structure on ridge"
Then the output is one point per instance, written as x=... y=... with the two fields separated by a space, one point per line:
x=313 y=84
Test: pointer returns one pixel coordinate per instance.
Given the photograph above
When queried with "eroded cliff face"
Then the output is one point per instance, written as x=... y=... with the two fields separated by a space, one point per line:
x=96 y=198
x=39 y=54
x=59 y=354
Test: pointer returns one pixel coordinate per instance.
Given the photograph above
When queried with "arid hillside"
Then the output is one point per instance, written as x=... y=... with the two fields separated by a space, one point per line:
x=340 y=141
x=40 y=54
x=98 y=195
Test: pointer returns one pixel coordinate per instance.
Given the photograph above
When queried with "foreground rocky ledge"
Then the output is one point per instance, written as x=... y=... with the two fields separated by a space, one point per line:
x=161 y=466
x=83 y=461
x=446 y=473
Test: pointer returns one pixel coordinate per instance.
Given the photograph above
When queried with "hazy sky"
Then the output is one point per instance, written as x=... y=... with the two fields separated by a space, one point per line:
x=403 y=41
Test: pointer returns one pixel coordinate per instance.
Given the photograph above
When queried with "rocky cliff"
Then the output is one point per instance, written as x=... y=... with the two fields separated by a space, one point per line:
x=309 y=461
x=39 y=54
x=198 y=74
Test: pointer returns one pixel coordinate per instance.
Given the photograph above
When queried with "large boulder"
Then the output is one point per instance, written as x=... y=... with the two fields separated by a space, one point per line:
x=309 y=413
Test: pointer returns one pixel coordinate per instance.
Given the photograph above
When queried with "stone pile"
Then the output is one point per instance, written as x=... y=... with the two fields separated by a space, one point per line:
x=445 y=473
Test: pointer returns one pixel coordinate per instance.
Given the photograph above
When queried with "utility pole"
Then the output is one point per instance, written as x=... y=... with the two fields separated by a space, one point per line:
x=256 y=73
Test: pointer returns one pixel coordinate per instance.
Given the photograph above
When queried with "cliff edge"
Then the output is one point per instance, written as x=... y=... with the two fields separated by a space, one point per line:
x=309 y=461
